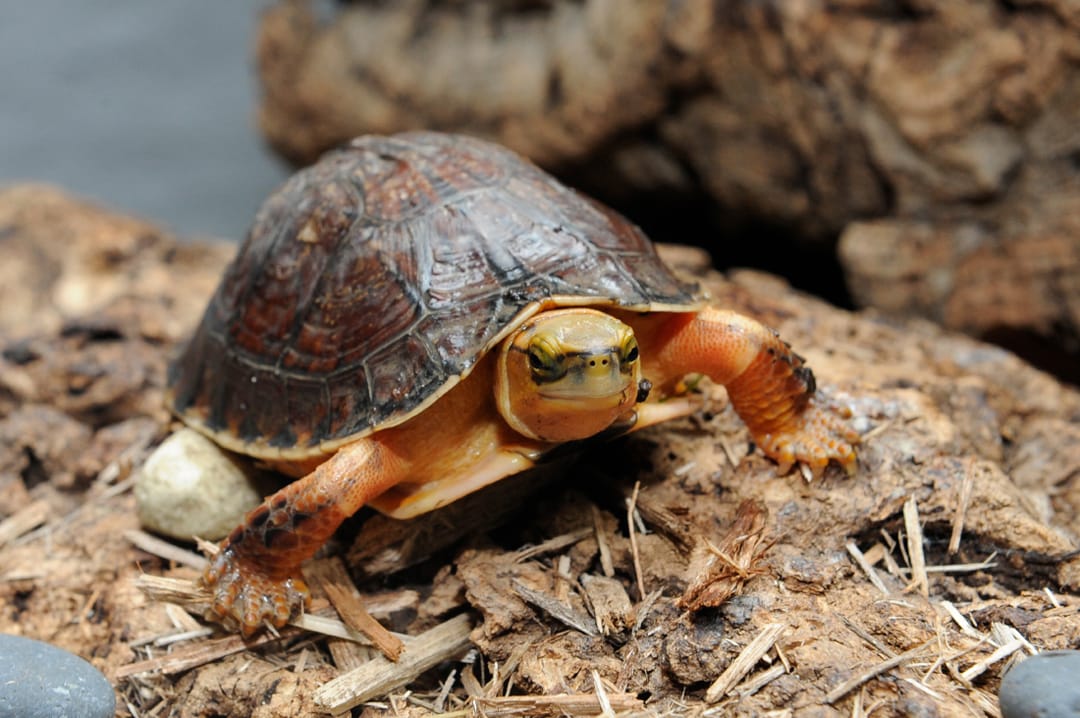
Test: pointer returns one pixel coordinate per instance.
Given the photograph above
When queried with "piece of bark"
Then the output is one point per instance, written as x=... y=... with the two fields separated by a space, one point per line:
x=946 y=131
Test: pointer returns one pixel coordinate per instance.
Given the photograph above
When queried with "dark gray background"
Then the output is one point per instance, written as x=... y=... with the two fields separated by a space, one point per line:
x=147 y=107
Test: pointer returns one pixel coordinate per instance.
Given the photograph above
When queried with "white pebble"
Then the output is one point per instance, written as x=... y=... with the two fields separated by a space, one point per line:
x=190 y=487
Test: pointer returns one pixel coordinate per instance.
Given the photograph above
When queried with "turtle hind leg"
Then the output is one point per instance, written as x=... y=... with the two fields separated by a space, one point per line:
x=255 y=578
x=769 y=385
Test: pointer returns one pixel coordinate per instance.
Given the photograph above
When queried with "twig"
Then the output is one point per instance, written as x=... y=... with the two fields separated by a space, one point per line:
x=744 y=662
x=163 y=549
x=551 y=545
x=1003 y=652
x=847 y=686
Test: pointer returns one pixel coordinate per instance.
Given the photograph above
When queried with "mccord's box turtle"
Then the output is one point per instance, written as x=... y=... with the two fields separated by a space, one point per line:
x=417 y=316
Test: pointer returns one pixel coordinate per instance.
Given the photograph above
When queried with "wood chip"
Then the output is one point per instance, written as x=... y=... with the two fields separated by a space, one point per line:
x=919 y=580
x=24 y=520
x=381 y=676
x=331 y=576
x=744 y=662
x=559 y=611
x=609 y=603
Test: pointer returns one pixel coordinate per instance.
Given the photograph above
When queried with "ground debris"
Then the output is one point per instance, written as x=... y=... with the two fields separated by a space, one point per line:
x=622 y=575
x=720 y=570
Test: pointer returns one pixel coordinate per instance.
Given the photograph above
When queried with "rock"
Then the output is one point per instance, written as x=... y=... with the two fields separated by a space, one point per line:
x=1043 y=685
x=189 y=487
x=39 y=679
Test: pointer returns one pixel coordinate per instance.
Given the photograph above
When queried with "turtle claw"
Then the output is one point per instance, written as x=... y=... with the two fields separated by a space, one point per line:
x=815 y=437
x=245 y=597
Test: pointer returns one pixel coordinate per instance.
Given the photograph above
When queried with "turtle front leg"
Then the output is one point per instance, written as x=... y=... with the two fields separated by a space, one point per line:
x=770 y=387
x=255 y=578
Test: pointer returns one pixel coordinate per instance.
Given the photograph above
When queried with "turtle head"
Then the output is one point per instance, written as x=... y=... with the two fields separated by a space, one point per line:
x=568 y=374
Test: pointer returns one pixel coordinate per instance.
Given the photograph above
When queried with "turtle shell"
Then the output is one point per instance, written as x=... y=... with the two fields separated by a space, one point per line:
x=374 y=280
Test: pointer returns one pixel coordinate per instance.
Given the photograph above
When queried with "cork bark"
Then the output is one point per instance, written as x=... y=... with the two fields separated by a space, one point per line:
x=939 y=139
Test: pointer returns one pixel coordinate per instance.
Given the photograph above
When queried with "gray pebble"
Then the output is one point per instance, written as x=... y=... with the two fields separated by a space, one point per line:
x=37 y=679
x=1042 y=686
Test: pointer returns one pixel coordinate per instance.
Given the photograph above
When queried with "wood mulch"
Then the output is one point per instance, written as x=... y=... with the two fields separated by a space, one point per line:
x=672 y=573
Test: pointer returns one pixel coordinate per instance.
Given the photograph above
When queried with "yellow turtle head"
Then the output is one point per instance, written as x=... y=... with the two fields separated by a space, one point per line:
x=568 y=374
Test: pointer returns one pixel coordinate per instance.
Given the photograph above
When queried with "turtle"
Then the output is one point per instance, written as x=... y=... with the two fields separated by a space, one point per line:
x=419 y=315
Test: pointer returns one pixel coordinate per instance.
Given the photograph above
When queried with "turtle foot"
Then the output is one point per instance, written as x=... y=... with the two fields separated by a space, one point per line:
x=815 y=437
x=245 y=597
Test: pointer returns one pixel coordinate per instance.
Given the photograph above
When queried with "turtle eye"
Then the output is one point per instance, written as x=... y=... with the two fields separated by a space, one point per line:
x=629 y=351
x=544 y=363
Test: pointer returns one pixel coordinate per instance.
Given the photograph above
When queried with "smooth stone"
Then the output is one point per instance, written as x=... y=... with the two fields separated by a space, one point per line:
x=1042 y=686
x=40 y=680
x=189 y=486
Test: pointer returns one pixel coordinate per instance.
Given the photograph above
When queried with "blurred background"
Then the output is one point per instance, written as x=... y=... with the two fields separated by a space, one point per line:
x=145 y=107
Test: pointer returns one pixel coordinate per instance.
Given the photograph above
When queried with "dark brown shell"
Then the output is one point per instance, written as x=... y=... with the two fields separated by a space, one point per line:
x=375 y=279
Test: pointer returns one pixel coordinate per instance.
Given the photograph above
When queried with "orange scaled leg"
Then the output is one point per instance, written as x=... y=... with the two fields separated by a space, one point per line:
x=769 y=386
x=255 y=577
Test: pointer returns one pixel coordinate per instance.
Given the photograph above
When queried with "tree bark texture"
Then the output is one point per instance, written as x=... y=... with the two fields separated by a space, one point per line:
x=940 y=139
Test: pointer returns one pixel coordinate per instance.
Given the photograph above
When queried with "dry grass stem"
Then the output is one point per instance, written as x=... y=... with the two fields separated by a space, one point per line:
x=847 y=686
x=759 y=680
x=960 y=513
x=558 y=543
x=866 y=636
x=164 y=549
x=631 y=507
x=1001 y=652
x=558 y=704
x=601 y=696
x=744 y=662
x=913 y=527
x=606 y=563
x=24 y=520
x=184 y=659
x=868 y=569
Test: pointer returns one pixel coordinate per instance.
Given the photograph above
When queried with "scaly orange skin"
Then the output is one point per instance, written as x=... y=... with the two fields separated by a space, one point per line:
x=255 y=578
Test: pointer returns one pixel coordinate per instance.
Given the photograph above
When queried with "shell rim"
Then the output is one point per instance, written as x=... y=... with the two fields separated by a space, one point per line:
x=229 y=440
